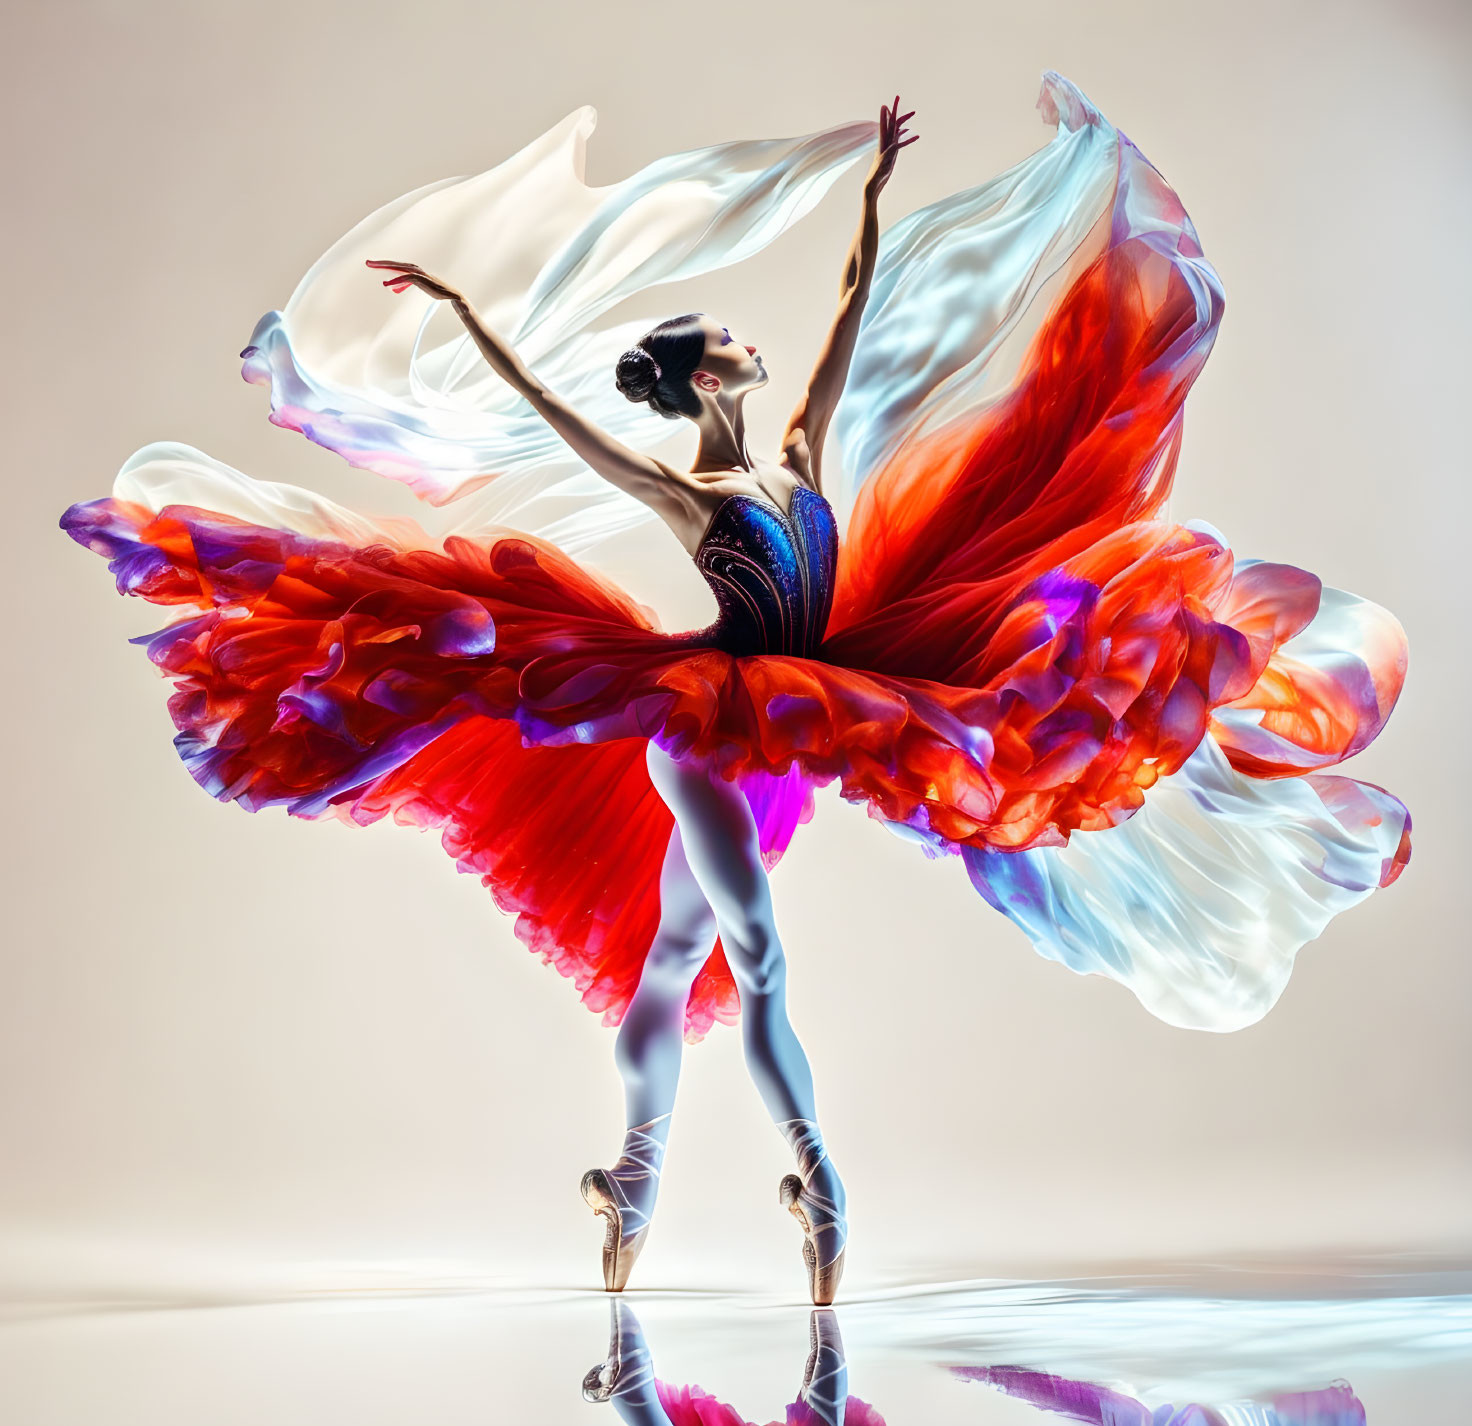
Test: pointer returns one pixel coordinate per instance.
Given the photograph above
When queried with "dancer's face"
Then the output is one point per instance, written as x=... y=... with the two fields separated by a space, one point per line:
x=728 y=366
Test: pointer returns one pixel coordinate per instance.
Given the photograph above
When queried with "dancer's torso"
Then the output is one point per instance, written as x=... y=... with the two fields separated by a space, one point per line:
x=771 y=572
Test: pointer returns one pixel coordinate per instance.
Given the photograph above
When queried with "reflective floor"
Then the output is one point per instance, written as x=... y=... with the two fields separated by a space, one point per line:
x=1219 y=1351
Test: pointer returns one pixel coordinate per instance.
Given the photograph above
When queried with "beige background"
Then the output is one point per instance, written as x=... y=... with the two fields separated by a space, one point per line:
x=245 y=1050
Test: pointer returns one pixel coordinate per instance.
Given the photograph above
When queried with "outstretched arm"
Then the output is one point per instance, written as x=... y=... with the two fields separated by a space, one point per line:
x=802 y=443
x=641 y=476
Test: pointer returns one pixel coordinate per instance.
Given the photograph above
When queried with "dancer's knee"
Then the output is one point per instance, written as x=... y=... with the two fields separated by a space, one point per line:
x=754 y=954
x=686 y=943
x=648 y=1042
x=631 y=1055
x=678 y=952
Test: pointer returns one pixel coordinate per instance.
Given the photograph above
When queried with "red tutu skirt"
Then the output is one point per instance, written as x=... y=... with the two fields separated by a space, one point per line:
x=1019 y=648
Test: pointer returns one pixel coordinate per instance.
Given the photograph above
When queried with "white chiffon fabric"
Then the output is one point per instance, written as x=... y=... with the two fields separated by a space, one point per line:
x=1199 y=902
x=395 y=385
x=171 y=473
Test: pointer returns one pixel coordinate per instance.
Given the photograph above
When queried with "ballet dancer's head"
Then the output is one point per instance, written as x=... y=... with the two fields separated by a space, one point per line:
x=684 y=362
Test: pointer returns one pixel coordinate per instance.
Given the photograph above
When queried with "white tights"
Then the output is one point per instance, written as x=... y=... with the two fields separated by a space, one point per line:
x=712 y=881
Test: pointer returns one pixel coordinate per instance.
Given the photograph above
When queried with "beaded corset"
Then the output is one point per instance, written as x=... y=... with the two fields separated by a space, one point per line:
x=772 y=574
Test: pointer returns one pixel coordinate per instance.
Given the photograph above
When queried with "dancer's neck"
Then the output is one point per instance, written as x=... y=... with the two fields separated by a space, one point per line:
x=722 y=425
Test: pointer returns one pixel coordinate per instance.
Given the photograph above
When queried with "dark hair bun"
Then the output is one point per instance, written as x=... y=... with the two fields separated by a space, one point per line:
x=636 y=374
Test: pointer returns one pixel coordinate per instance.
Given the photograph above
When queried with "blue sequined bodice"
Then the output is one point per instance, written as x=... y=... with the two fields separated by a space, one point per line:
x=772 y=574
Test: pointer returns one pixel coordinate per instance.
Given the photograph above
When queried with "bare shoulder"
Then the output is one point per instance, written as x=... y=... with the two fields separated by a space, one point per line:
x=687 y=501
x=695 y=496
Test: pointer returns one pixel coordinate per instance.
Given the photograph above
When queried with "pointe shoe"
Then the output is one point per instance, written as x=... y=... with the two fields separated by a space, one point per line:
x=627 y=1370
x=627 y=1230
x=824 y=1236
x=605 y=1192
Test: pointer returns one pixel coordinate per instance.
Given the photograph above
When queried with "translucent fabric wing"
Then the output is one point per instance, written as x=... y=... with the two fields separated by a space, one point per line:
x=394 y=385
x=171 y=473
x=1199 y=903
x=962 y=286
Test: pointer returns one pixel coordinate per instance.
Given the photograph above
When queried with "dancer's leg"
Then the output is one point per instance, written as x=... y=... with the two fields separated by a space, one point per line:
x=649 y=1041
x=722 y=849
x=651 y=1038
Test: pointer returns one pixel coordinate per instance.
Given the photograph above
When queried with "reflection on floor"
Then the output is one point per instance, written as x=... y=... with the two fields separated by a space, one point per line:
x=1398 y=1330
x=988 y=1354
x=1334 y=1405
x=626 y=1378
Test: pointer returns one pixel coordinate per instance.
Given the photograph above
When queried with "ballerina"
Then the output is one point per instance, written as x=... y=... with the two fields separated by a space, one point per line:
x=765 y=538
x=1010 y=655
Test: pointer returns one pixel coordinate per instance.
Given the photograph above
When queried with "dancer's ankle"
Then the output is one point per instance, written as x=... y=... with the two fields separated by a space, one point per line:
x=814 y=1165
x=635 y=1174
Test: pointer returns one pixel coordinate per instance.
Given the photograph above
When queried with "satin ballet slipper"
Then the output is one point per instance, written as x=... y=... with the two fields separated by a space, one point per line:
x=625 y=1235
x=604 y=1192
x=824 y=1225
x=824 y=1236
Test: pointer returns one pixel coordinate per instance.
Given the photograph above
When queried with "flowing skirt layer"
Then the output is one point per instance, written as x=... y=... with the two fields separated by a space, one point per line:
x=1024 y=651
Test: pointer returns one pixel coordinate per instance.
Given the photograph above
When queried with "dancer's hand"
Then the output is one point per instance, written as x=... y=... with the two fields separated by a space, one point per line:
x=410 y=274
x=891 y=140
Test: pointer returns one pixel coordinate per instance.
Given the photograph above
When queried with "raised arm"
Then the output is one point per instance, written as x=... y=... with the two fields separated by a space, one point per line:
x=641 y=476
x=802 y=442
